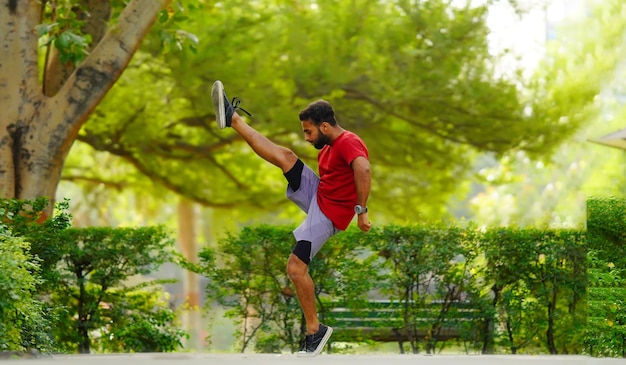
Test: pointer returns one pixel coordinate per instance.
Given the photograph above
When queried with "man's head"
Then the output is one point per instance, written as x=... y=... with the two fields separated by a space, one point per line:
x=317 y=118
x=318 y=112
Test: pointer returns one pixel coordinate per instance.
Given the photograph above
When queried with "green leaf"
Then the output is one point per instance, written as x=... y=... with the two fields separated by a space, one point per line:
x=163 y=16
x=63 y=41
x=44 y=29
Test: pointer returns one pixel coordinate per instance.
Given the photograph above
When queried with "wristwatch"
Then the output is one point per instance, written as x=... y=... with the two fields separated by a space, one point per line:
x=359 y=209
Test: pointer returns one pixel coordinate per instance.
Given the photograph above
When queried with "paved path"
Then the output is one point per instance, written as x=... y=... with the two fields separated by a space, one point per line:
x=268 y=359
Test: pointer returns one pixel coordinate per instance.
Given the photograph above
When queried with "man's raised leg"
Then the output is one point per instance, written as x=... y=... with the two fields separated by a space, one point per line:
x=226 y=116
x=277 y=155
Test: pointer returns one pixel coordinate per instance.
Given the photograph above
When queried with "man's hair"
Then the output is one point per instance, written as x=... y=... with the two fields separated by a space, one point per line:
x=318 y=112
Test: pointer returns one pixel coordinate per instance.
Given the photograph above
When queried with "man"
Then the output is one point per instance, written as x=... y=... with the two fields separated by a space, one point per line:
x=330 y=200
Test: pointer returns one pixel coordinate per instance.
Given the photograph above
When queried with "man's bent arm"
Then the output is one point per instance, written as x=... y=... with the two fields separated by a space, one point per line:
x=362 y=179
x=362 y=182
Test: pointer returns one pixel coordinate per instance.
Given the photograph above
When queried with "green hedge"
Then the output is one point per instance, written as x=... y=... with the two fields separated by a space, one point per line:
x=528 y=285
x=66 y=289
x=247 y=275
x=533 y=290
x=606 y=326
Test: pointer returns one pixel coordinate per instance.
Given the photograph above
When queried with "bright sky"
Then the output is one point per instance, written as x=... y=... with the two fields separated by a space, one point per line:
x=526 y=36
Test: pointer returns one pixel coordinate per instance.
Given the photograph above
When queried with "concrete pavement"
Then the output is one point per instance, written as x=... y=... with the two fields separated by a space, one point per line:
x=271 y=359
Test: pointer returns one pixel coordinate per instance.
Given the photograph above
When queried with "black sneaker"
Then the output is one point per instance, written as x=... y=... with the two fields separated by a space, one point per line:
x=224 y=109
x=314 y=344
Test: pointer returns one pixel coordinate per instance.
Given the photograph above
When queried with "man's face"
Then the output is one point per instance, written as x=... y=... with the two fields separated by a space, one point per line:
x=314 y=135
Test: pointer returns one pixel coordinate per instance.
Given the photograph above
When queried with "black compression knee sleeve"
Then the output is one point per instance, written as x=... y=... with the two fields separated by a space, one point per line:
x=295 y=175
x=303 y=251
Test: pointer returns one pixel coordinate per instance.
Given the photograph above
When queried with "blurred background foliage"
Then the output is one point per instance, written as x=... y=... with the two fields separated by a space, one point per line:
x=450 y=134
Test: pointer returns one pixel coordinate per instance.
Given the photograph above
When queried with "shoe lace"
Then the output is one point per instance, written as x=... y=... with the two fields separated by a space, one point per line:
x=235 y=103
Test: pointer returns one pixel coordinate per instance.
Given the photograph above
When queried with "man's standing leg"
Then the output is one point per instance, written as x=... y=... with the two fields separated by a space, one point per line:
x=298 y=272
x=311 y=235
x=317 y=333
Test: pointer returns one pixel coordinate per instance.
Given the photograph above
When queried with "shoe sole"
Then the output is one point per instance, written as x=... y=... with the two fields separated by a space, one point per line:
x=217 y=93
x=319 y=348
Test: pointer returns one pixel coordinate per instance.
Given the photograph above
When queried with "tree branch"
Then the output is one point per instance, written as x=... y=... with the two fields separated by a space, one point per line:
x=117 y=185
x=96 y=21
x=166 y=182
x=90 y=82
x=432 y=127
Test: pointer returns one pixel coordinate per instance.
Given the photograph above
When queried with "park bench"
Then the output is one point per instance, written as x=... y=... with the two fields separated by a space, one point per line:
x=382 y=321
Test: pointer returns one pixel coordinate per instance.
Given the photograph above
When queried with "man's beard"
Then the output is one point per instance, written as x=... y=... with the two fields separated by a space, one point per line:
x=321 y=141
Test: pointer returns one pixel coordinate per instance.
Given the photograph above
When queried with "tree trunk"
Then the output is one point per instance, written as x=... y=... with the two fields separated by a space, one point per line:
x=509 y=331
x=487 y=330
x=551 y=315
x=82 y=323
x=37 y=128
x=191 y=285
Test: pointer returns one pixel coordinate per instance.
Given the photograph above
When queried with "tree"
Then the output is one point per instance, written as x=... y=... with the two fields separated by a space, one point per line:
x=40 y=120
x=415 y=79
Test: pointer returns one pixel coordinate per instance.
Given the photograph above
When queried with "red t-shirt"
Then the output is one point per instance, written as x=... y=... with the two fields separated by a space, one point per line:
x=336 y=193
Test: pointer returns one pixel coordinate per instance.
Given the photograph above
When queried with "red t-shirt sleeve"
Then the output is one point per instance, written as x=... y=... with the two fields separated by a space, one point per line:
x=352 y=148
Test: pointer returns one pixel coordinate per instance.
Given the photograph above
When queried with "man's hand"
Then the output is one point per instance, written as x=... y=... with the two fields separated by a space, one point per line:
x=364 y=224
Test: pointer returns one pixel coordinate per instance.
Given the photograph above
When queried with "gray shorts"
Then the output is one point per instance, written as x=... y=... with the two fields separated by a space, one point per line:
x=316 y=228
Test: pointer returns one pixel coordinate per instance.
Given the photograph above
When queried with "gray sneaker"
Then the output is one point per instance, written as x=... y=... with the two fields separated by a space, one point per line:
x=224 y=109
x=314 y=344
